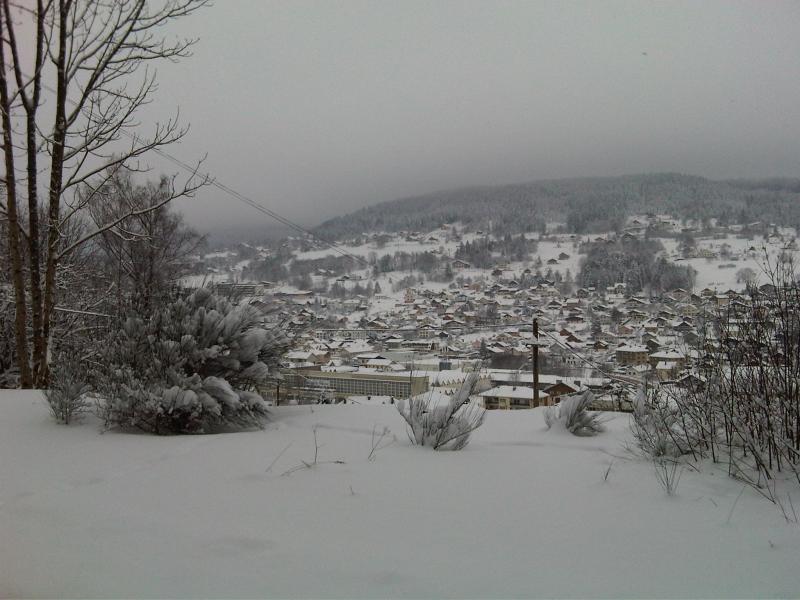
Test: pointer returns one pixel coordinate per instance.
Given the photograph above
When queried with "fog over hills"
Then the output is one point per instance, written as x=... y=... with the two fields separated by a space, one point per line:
x=258 y=231
x=583 y=204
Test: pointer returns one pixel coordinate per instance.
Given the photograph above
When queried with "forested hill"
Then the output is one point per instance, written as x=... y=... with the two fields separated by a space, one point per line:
x=585 y=205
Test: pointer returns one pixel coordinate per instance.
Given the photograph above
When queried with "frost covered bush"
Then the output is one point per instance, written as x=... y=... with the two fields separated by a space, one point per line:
x=443 y=422
x=668 y=473
x=573 y=414
x=190 y=367
x=658 y=428
x=69 y=386
x=8 y=356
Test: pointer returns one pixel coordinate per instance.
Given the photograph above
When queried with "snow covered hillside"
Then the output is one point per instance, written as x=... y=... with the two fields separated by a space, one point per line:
x=521 y=512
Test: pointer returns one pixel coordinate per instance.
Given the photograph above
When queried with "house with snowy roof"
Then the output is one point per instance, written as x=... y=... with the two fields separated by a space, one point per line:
x=508 y=397
x=630 y=355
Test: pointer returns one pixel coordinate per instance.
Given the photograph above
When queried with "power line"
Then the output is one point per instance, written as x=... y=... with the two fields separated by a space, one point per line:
x=588 y=360
x=478 y=328
x=227 y=189
x=300 y=229
x=252 y=203
x=406 y=329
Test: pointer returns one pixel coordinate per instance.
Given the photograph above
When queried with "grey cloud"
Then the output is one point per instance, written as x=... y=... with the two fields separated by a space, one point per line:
x=319 y=108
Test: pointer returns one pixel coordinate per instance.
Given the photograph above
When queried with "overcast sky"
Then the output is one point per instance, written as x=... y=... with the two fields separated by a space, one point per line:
x=319 y=108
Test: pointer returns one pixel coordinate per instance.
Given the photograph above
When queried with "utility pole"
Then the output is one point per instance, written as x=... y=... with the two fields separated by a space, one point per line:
x=535 y=358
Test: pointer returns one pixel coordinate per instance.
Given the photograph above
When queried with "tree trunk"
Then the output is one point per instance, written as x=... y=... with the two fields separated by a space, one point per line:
x=34 y=258
x=54 y=201
x=17 y=278
x=31 y=108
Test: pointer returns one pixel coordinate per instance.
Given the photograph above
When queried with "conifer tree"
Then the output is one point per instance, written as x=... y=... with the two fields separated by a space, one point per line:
x=191 y=367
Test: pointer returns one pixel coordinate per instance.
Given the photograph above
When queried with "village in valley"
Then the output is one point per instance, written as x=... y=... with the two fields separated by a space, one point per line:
x=399 y=299
x=370 y=327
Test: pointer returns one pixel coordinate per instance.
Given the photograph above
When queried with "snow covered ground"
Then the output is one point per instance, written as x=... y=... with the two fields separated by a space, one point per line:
x=709 y=273
x=522 y=512
x=396 y=244
x=194 y=281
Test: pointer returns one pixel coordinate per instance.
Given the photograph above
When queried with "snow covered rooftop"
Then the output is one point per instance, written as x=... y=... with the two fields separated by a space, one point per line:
x=510 y=391
x=526 y=377
x=632 y=348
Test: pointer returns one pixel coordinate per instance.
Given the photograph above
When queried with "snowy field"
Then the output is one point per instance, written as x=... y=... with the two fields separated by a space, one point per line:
x=195 y=281
x=709 y=273
x=522 y=512
x=395 y=245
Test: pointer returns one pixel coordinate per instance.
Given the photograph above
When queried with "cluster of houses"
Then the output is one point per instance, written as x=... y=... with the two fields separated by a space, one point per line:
x=609 y=340
x=605 y=340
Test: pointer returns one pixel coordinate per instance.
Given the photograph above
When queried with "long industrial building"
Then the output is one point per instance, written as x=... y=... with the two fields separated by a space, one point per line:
x=341 y=384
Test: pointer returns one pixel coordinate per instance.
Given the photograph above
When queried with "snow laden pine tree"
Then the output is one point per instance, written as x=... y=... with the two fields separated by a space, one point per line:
x=443 y=422
x=573 y=415
x=68 y=394
x=190 y=367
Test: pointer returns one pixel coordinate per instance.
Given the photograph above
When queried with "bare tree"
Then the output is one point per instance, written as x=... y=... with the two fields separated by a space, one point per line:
x=741 y=404
x=147 y=251
x=746 y=276
x=96 y=53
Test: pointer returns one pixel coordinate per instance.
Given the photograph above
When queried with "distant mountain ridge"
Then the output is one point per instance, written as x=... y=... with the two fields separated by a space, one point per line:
x=584 y=204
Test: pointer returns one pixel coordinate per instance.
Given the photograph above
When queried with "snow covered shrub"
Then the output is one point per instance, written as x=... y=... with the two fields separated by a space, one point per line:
x=668 y=473
x=440 y=421
x=68 y=388
x=192 y=366
x=550 y=416
x=657 y=427
x=8 y=356
x=740 y=402
x=573 y=414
